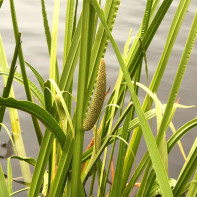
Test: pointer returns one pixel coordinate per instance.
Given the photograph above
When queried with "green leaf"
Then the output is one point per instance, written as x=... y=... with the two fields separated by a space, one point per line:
x=71 y=62
x=187 y=170
x=68 y=28
x=171 y=143
x=48 y=34
x=9 y=176
x=178 y=79
x=8 y=86
x=53 y=51
x=29 y=160
x=116 y=190
x=42 y=160
x=63 y=104
x=192 y=189
x=150 y=141
x=81 y=94
x=1 y=1
x=39 y=113
x=63 y=167
x=23 y=71
x=173 y=32
x=181 y=132
x=38 y=76
x=19 y=191
x=3 y=186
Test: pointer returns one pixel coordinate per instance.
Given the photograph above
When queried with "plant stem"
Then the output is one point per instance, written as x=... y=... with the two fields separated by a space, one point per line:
x=81 y=93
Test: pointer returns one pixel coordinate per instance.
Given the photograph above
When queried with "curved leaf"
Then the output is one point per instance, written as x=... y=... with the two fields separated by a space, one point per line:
x=18 y=77
x=29 y=160
x=148 y=136
x=37 y=75
x=39 y=113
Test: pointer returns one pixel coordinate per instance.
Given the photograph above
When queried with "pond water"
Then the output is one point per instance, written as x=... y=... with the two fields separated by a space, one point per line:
x=129 y=17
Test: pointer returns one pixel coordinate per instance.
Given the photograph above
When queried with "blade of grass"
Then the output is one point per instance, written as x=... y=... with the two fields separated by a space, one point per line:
x=68 y=28
x=63 y=105
x=39 y=113
x=192 y=189
x=116 y=190
x=45 y=150
x=53 y=51
x=3 y=186
x=181 y=132
x=14 y=119
x=48 y=34
x=18 y=77
x=37 y=75
x=133 y=61
x=150 y=142
x=75 y=17
x=9 y=176
x=171 y=143
x=63 y=166
x=179 y=75
x=144 y=181
x=21 y=190
x=6 y=90
x=71 y=61
x=173 y=32
x=81 y=93
x=122 y=147
x=43 y=157
x=187 y=170
x=29 y=160
x=23 y=70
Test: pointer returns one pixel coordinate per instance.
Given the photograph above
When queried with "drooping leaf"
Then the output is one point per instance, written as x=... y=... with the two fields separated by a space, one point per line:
x=39 y=113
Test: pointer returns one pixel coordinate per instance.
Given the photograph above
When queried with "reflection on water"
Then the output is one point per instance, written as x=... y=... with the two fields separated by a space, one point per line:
x=129 y=16
x=9 y=150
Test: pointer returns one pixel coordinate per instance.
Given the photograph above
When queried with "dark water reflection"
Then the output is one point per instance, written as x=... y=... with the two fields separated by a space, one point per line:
x=129 y=16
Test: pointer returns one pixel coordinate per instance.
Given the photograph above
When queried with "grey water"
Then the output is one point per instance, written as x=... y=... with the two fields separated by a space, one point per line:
x=129 y=16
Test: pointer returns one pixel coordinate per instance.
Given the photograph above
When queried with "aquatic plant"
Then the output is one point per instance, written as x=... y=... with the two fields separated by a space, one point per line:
x=62 y=168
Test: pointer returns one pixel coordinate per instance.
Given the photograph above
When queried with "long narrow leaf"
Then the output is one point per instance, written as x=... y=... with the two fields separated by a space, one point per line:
x=18 y=77
x=81 y=92
x=187 y=170
x=9 y=176
x=68 y=28
x=23 y=70
x=178 y=79
x=3 y=186
x=42 y=160
x=173 y=32
x=38 y=76
x=53 y=52
x=39 y=113
x=192 y=189
x=150 y=142
x=6 y=90
x=48 y=34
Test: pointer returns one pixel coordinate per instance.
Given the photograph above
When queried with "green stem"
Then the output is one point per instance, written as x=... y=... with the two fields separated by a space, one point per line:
x=81 y=92
x=23 y=71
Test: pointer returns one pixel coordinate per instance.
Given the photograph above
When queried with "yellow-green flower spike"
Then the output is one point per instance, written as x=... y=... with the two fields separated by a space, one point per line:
x=98 y=99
